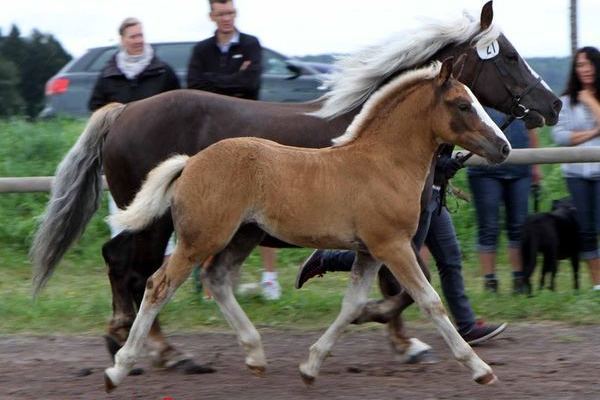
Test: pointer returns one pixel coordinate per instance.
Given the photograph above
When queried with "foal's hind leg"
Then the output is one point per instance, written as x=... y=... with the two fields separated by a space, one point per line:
x=361 y=279
x=400 y=258
x=159 y=289
x=219 y=280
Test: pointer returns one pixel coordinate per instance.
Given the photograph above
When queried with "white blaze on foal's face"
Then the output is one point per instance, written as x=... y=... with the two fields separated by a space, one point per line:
x=484 y=116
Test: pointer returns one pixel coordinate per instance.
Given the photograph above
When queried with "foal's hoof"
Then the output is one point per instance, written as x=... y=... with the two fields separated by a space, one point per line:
x=189 y=367
x=258 y=370
x=487 y=379
x=109 y=386
x=307 y=379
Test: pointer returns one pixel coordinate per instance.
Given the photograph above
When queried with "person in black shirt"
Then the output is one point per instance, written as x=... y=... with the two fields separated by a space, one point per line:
x=230 y=63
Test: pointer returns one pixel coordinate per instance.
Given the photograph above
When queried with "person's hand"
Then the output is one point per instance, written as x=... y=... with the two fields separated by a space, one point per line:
x=245 y=65
x=586 y=97
x=450 y=167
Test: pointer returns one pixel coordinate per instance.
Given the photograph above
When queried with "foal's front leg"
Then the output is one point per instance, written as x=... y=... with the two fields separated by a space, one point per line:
x=401 y=260
x=361 y=278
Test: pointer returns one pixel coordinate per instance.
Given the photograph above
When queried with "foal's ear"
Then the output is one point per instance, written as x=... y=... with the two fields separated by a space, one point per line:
x=445 y=71
x=487 y=15
x=458 y=66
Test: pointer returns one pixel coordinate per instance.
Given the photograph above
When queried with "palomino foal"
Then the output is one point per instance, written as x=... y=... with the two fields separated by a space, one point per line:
x=374 y=173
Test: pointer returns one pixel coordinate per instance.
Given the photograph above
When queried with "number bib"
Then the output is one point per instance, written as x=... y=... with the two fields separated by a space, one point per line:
x=489 y=51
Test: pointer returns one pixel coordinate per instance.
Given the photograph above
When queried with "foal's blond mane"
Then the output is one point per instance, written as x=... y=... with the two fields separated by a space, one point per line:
x=382 y=96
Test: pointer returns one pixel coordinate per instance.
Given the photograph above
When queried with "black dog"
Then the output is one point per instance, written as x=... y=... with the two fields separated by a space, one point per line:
x=555 y=234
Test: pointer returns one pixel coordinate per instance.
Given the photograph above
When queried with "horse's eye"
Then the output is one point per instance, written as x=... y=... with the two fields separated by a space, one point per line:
x=512 y=57
x=464 y=107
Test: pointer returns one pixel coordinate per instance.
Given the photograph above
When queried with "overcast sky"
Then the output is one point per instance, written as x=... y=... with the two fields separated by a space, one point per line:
x=299 y=27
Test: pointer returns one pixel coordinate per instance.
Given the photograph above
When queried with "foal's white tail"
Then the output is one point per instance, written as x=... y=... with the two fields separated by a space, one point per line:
x=154 y=198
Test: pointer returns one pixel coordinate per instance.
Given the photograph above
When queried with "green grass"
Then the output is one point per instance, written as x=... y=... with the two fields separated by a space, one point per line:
x=78 y=297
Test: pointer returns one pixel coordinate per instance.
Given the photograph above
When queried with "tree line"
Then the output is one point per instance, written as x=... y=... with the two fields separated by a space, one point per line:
x=26 y=63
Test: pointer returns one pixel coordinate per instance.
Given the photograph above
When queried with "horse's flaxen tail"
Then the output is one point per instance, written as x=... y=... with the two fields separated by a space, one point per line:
x=154 y=198
x=75 y=196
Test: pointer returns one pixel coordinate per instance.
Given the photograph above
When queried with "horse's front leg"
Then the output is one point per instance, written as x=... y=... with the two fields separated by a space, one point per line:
x=362 y=275
x=400 y=258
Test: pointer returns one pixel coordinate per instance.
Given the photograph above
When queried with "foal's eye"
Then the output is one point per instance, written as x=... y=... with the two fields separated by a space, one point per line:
x=464 y=107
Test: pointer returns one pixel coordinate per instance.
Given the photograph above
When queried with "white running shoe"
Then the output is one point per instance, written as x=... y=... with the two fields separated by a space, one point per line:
x=271 y=290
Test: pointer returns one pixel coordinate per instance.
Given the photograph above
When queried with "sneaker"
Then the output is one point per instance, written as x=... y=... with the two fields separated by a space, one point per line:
x=491 y=285
x=312 y=266
x=596 y=288
x=482 y=332
x=271 y=290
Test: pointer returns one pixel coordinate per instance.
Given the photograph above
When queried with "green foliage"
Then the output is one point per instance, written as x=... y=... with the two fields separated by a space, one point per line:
x=12 y=103
x=37 y=58
x=78 y=297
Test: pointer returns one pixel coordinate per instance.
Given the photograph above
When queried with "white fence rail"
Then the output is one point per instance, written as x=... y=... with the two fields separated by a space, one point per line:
x=546 y=155
x=30 y=184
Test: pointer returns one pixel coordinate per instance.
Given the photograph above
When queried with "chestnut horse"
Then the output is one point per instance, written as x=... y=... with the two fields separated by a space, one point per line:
x=374 y=173
x=128 y=141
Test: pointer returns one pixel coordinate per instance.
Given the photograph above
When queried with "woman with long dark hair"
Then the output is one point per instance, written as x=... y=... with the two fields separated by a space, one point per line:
x=579 y=125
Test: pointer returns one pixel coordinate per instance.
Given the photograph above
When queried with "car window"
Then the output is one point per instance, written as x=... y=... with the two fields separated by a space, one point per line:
x=274 y=64
x=101 y=60
x=177 y=55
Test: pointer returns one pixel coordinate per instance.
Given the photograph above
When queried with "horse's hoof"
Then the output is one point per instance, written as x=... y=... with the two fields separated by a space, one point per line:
x=109 y=386
x=137 y=372
x=307 y=379
x=189 y=367
x=424 y=357
x=487 y=379
x=258 y=370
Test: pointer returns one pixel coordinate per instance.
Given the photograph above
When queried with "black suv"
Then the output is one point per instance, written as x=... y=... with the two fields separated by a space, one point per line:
x=283 y=79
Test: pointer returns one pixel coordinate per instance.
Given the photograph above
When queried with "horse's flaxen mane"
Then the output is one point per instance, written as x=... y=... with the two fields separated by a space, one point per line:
x=369 y=109
x=360 y=75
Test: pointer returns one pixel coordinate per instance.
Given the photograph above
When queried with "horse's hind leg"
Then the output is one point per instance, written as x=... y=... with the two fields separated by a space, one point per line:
x=362 y=275
x=218 y=276
x=400 y=258
x=159 y=289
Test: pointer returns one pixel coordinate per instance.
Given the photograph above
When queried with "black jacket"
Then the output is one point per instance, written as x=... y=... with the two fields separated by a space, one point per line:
x=217 y=72
x=112 y=85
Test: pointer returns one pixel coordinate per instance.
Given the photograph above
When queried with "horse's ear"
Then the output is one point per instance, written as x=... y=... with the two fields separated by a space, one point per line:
x=458 y=66
x=487 y=15
x=445 y=71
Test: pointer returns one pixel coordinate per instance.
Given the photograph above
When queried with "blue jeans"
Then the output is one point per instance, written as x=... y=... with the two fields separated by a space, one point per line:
x=586 y=198
x=488 y=194
x=437 y=232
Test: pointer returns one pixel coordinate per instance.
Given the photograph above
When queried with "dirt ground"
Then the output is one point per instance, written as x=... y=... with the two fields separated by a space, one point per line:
x=541 y=361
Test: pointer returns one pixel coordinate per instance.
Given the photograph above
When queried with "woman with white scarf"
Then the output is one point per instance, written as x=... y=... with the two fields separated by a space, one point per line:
x=134 y=72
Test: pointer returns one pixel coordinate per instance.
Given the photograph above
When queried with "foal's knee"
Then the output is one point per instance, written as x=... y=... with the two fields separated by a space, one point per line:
x=433 y=306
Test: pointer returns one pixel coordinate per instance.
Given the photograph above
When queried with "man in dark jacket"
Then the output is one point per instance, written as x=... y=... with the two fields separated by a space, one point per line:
x=229 y=62
x=134 y=72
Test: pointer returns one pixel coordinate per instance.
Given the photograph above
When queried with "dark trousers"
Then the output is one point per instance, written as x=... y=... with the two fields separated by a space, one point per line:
x=437 y=232
x=586 y=198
